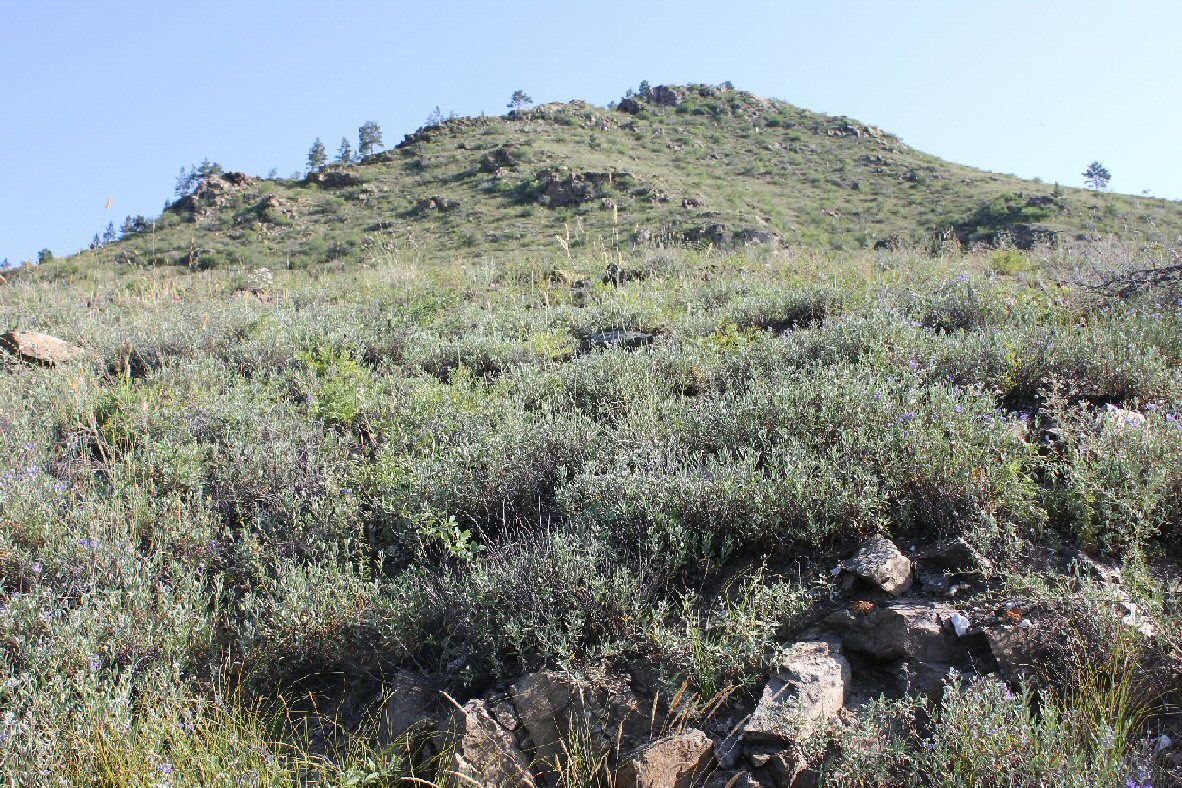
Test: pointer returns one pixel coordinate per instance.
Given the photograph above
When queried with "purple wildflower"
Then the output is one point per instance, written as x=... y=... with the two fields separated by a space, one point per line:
x=36 y=567
x=166 y=769
x=95 y=663
x=61 y=485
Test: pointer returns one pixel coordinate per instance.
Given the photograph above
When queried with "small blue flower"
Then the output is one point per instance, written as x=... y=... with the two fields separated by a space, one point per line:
x=166 y=769
x=95 y=663
x=61 y=485
x=36 y=567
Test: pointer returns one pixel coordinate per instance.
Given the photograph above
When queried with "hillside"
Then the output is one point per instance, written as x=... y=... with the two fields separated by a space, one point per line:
x=344 y=492
x=694 y=165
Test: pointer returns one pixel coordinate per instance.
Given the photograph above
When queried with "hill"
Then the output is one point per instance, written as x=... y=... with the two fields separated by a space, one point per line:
x=695 y=165
x=581 y=515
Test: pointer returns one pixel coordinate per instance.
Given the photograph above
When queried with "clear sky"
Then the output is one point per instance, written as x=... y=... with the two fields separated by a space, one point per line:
x=109 y=98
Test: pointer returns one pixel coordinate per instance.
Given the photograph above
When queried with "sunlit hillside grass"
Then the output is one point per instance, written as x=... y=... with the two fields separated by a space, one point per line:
x=262 y=492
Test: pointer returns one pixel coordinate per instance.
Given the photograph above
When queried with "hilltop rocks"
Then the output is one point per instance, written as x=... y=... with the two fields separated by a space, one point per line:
x=667 y=96
x=630 y=106
x=878 y=561
x=675 y=761
x=36 y=348
x=333 y=179
x=237 y=178
x=810 y=685
x=722 y=236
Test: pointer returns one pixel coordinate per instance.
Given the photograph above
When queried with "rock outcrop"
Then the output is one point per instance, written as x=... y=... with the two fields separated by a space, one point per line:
x=676 y=761
x=36 y=348
x=482 y=751
x=810 y=684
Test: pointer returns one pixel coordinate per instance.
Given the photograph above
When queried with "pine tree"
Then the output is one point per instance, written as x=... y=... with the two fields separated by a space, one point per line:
x=369 y=139
x=1096 y=176
x=345 y=153
x=109 y=235
x=317 y=158
x=519 y=101
x=645 y=91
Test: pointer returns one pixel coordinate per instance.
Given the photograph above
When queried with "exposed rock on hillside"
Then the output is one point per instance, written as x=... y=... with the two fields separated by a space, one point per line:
x=810 y=685
x=879 y=562
x=334 y=179
x=38 y=348
x=483 y=751
x=676 y=761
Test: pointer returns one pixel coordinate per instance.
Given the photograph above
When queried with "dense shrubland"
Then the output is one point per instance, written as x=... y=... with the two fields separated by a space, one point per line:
x=250 y=493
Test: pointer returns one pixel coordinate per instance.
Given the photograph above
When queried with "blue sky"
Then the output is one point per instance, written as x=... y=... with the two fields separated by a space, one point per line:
x=109 y=99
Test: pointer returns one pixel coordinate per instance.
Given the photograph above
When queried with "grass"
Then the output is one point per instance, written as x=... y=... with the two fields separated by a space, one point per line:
x=292 y=488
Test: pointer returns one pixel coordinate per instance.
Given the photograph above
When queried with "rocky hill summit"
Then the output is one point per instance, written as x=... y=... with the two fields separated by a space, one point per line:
x=694 y=165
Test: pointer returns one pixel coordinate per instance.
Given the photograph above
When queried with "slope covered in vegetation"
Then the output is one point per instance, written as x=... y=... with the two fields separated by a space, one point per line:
x=556 y=511
x=299 y=487
x=693 y=165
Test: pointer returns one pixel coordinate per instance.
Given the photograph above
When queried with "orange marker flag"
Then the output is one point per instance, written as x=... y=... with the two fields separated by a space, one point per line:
x=109 y=199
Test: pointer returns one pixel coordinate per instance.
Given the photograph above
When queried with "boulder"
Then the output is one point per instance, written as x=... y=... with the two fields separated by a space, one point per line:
x=412 y=703
x=629 y=106
x=237 y=178
x=334 y=179
x=37 y=348
x=879 y=561
x=810 y=685
x=916 y=631
x=955 y=556
x=436 y=203
x=482 y=751
x=667 y=96
x=550 y=703
x=676 y=761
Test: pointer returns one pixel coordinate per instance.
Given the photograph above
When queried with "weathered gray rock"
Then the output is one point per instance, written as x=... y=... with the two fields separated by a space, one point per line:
x=955 y=556
x=550 y=703
x=38 y=348
x=676 y=761
x=810 y=685
x=482 y=751
x=880 y=562
x=413 y=702
x=917 y=631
